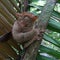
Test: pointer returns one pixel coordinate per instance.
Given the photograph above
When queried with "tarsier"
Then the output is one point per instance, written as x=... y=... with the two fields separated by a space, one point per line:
x=23 y=31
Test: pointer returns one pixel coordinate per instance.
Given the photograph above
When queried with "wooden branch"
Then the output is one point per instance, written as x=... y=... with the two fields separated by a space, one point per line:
x=26 y=2
x=10 y=7
x=6 y=13
x=15 y=4
x=5 y=37
x=42 y=22
x=24 y=5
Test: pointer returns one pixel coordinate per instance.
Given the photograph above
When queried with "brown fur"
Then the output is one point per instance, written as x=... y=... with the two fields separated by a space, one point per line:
x=24 y=32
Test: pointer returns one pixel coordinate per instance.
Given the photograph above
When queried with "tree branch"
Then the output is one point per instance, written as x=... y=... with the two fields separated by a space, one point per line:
x=26 y=5
x=42 y=22
x=5 y=37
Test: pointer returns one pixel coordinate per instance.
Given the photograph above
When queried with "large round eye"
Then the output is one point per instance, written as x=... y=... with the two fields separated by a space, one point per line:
x=20 y=18
x=26 y=18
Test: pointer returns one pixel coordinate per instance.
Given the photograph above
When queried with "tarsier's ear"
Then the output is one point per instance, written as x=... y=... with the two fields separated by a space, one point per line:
x=34 y=18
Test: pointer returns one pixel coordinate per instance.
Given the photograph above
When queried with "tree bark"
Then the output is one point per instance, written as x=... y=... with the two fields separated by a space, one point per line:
x=42 y=23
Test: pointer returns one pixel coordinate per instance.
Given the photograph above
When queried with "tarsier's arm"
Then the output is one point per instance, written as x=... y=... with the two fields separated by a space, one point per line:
x=23 y=37
x=36 y=37
x=26 y=45
x=20 y=36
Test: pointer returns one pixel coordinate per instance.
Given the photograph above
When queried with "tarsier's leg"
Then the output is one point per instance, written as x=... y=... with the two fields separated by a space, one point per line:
x=27 y=44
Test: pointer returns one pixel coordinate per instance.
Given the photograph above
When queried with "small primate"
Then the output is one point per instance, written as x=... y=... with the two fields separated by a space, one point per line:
x=23 y=31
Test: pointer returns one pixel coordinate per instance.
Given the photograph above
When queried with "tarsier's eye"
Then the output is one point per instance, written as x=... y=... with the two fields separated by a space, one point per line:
x=20 y=18
x=26 y=18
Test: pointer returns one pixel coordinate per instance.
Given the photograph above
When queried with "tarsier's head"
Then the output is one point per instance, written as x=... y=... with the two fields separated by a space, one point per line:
x=26 y=18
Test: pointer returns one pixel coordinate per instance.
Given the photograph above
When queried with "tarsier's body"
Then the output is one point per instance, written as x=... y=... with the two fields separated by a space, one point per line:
x=23 y=30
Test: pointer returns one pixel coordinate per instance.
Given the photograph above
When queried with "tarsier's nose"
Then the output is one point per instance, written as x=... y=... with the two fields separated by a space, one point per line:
x=23 y=24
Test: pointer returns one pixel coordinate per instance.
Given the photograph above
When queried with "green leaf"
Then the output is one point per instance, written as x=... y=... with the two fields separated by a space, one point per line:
x=40 y=57
x=51 y=40
x=36 y=6
x=54 y=25
x=50 y=51
x=56 y=14
x=58 y=1
x=34 y=0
